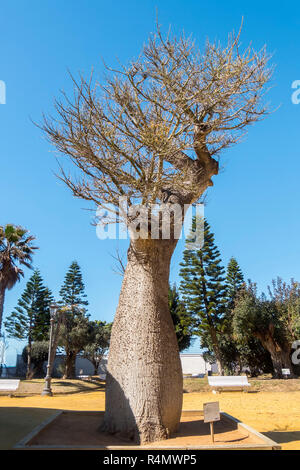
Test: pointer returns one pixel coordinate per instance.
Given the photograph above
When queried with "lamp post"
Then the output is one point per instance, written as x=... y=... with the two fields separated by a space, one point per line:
x=54 y=312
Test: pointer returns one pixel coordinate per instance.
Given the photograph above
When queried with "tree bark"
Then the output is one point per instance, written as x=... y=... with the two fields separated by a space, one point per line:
x=96 y=364
x=2 y=296
x=216 y=350
x=70 y=372
x=29 y=350
x=280 y=356
x=144 y=382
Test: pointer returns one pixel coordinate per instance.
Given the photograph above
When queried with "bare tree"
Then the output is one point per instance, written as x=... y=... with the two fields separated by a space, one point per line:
x=153 y=133
x=120 y=266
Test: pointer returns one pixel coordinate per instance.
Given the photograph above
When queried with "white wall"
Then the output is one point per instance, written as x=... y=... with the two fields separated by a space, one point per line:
x=191 y=364
x=194 y=364
x=85 y=367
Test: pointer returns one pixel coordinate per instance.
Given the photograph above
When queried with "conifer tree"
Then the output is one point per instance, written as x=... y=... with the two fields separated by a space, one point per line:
x=234 y=277
x=182 y=319
x=76 y=329
x=231 y=349
x=204 y=290
x=72 y=292
x=31 y=318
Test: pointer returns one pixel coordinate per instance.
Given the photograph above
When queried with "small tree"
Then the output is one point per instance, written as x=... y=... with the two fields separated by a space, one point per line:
x=252 y=357
x=287 y=299
x=204 y=290
x=75 y=331
x=98 y=344
x=152 y=133
x=16 y=251
x=31 y=318
x=74 y=334
x=259 y=317
x=39 y=354
x=183 y=320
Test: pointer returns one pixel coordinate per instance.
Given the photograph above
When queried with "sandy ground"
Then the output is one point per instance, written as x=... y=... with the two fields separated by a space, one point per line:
x=276 y=414
x=192 y=432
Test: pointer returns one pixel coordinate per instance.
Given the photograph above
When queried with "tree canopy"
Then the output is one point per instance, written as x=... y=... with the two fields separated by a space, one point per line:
x=31 y=318
x=154 y=129
x=16 y=251
x=98 y=343
x=272 y=321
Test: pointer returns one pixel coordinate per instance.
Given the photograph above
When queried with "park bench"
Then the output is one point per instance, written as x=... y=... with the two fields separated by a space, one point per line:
x=228 y=382
x=84 y=377
x=9 y=385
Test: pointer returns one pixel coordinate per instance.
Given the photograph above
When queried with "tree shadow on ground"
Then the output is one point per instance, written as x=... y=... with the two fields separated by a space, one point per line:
x=282 y=437
x=82 y=387
x=59 y=387
x=17 y=422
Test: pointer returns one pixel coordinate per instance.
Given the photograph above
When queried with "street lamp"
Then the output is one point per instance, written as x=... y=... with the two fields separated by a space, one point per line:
x=54 y=313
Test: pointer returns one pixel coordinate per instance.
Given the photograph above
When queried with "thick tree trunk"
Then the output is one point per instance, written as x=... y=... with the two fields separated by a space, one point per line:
x=2 y=296
x=280 y=357
x=39 y=370
x=96 y=365
x=144 y=382
x=281 y=360
x=216 y=350
x=70 y=372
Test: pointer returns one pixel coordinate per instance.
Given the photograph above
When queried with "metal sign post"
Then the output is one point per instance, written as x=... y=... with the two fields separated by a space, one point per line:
x=211 y=413
x=286 y=373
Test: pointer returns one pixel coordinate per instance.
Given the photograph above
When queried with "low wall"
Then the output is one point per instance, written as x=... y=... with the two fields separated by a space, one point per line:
x=193 y=364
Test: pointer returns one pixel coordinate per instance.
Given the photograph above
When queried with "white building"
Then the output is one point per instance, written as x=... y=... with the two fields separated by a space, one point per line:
x=195 y=364
x=192 y=364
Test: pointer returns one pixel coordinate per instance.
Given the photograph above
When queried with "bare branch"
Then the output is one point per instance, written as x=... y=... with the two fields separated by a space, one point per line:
x=155 y=129
x=120 y=266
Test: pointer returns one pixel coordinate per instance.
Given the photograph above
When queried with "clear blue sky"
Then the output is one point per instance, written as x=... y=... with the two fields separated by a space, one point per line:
x=253 y=207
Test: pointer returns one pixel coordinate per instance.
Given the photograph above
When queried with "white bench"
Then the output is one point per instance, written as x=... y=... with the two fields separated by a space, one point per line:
x=228 y=382
x=9 y=385
x=84 y=377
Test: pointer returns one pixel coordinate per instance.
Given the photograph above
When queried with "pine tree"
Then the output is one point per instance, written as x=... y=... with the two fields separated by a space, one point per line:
x=232 y=351
x=204 y=289
x=183 y=320
x=72 y=291
x=31 y=318
x=234 y=281
x=75 y=331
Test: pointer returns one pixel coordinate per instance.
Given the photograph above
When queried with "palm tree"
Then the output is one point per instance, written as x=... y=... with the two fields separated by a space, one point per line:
x=15 y=250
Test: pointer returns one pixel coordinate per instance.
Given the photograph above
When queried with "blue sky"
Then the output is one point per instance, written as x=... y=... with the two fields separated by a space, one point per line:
x=253 y=207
